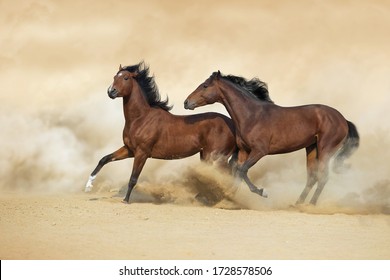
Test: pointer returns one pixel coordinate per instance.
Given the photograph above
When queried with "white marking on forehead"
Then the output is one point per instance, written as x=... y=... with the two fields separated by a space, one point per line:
x=120 y=74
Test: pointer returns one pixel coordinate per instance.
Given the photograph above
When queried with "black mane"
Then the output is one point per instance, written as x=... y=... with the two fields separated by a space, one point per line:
x=257 y=88
x=148 y=85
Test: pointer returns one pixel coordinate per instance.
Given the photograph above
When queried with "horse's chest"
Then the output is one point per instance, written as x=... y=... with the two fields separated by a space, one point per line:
x=128 y=143
x=129 y=139
x=135 y=136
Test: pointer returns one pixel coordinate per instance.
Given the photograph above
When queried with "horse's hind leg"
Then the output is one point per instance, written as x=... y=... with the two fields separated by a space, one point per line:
x=312 y=172
x=322 y=179
x=327 y=145
x=119 y=154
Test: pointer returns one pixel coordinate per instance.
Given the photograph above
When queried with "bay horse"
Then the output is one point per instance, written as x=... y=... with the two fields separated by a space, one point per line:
x=151 y=131
x=264 y=128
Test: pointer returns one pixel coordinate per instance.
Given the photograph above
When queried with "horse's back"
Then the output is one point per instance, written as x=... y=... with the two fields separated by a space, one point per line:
x=210 y=120
x=307 y=113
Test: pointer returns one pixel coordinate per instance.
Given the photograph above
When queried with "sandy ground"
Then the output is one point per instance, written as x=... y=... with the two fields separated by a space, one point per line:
x=99 y=226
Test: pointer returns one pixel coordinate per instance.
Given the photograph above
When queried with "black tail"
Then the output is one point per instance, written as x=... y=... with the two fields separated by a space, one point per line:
x=349 y=146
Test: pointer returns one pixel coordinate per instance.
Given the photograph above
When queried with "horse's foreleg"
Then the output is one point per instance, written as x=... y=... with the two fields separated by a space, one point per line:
x=242 y=171
x=252 y=187
x=139 y=162
x=119 y=154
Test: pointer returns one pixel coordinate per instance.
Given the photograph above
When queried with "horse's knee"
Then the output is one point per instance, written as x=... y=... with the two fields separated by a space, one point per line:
x=105 y=159
x=241 y=170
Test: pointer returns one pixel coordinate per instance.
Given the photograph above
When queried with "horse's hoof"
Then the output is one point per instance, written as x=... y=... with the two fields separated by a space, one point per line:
x=125 y=201
x=88 y=189
x=299 y=202
x=263 y=193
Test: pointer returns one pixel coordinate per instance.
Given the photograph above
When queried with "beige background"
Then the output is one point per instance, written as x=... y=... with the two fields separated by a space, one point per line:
x=57 y=60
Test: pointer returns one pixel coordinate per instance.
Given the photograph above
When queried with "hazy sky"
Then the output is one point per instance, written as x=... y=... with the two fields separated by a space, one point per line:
x=307 y=51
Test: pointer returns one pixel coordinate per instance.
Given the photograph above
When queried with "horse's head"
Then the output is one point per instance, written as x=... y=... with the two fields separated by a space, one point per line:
x=206 y=93
x=123 y=83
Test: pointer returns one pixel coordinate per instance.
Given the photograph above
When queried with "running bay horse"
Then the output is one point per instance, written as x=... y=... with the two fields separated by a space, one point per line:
x=151 y=131
x=264 y=128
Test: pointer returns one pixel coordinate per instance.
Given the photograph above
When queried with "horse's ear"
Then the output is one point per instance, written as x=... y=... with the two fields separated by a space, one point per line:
x=218 y=74
x=120 y=67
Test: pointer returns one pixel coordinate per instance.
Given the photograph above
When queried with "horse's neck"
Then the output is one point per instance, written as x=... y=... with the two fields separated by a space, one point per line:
x=135 y=105
x=239 y=106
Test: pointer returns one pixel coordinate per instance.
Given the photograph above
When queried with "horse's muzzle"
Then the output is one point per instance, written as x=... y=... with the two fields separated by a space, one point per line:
x=112 y=93
x=189 y=105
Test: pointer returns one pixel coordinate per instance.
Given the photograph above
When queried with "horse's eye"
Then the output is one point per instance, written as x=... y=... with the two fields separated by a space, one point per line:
x=205 y=85
x=126 y=77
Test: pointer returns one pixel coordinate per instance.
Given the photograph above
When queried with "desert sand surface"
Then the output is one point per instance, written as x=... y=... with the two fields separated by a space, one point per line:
x=100 y=227
x=57 y=59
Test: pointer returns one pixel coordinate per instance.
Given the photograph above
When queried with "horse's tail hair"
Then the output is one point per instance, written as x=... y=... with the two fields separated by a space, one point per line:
x=350 y=145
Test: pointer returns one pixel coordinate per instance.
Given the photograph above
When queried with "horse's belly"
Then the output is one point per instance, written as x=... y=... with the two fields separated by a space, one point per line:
x=175 y=150
x=290 y=144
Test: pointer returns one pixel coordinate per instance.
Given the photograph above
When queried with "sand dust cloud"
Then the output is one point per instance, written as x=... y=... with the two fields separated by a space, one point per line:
x=58 y=58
